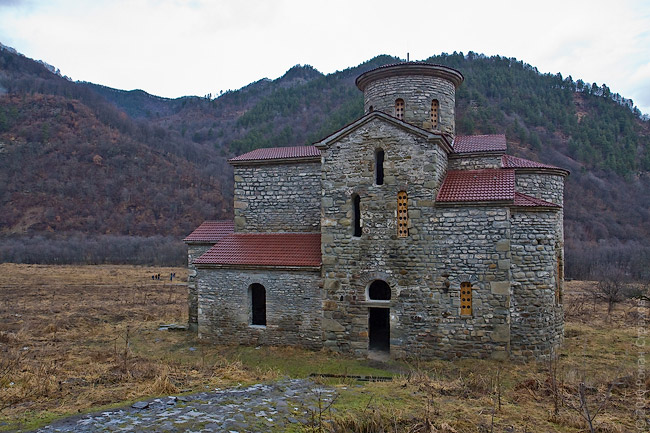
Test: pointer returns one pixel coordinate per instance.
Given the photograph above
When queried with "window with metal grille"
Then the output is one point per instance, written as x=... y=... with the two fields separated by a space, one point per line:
x=434 y=114
x=402 y=215
x=399 y=109
x=466 y=299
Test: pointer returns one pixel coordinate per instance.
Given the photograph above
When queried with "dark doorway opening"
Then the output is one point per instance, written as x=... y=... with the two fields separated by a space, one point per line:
x=379 y=291
x=379 y=329
x=258 y=304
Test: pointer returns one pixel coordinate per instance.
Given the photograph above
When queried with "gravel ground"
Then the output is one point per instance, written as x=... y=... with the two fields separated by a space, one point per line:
x=257 y=408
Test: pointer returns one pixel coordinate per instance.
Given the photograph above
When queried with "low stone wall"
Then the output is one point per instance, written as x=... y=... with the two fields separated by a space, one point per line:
x=277 y=197
x=293 y=307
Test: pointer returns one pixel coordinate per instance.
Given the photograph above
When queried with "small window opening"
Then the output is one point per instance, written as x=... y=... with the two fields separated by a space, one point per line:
x=371 y=109
x=402 y=215
x=379 y=167
x=379 y=291
x=466 y=299
x=559 y=279
x=399 y=109
x=434 y=114
x=258 y=304
x=356 y=204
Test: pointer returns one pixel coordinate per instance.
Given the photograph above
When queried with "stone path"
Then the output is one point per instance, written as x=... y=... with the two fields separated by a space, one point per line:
x=256 y=408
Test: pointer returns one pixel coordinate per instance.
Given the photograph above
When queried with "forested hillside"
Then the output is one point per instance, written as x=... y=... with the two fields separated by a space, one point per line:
x=113 y=162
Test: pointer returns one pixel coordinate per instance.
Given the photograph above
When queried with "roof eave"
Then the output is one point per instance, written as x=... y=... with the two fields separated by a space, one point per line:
x=457 y=155
x=473 y=203
x=275 y=161
x=255 y=267
x=543 y=170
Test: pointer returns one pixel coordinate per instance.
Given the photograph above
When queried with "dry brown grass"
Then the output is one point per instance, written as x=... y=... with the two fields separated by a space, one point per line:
x=76 y=337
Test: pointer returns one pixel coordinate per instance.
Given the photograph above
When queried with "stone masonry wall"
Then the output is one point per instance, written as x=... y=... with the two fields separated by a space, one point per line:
x=474 y=162
x=537 y=320
x=293 y=307
x=277 y=197
x=193 y=251
x=545 y=186
x=444 y=244
x=417 y=91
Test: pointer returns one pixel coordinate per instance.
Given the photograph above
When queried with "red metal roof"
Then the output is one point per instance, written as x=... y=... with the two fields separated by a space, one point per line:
x=477 y=185
x=211 y=231
x=528 y=201
x=265 y=249
x=270 y=153
x=508 y=161
x=479 y=143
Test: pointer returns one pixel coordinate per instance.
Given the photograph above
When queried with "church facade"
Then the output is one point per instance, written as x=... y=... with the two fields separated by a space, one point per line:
x=392 y=234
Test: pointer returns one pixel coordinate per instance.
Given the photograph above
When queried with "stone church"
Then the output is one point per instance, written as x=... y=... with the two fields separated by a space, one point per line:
x=391 y=234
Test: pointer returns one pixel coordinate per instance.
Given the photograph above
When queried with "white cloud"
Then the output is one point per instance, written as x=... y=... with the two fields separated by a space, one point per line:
x=180 y=47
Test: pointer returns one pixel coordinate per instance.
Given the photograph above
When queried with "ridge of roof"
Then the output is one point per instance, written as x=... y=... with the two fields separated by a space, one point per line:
x=265 y=249
x=278 y=153
x=211 y=231
x=347 y=129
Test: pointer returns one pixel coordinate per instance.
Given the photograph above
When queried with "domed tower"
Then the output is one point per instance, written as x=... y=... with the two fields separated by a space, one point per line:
x=421 y=94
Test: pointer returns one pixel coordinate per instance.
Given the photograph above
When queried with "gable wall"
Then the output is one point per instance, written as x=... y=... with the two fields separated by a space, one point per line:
x=466 y=244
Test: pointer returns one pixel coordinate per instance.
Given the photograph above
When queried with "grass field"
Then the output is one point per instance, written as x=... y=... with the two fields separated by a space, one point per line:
x=79 y=338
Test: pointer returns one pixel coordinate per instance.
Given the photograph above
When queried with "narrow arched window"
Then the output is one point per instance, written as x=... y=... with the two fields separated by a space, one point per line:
x=379 y=291
x=434 y=114
x=402 y=215
x=399 y=109
x=258 y=304
x=356 y=205
x=379 y=167
x=466 y=299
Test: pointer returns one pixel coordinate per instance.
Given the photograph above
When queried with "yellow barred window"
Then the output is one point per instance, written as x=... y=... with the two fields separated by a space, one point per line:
x=402 y=215
x=466 y=299
x=434 y=114
x=399 y=109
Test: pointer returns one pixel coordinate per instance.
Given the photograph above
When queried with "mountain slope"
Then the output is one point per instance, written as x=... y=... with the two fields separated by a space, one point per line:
x=162 y=168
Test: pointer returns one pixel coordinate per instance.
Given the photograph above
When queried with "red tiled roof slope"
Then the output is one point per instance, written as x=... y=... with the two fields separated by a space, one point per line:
x=270 y=153
x=508 y=161
x=479 y=143
x=477 y=185
x=265 y=249
x=528 y=201
x=211 y=231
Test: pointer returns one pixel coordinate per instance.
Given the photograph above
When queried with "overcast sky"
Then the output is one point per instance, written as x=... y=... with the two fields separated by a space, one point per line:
x=193 y=47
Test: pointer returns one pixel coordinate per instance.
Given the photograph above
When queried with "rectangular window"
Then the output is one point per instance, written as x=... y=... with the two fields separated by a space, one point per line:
x=399 y=109
x=465 y=299
x=434 y=114
x=402 y=215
